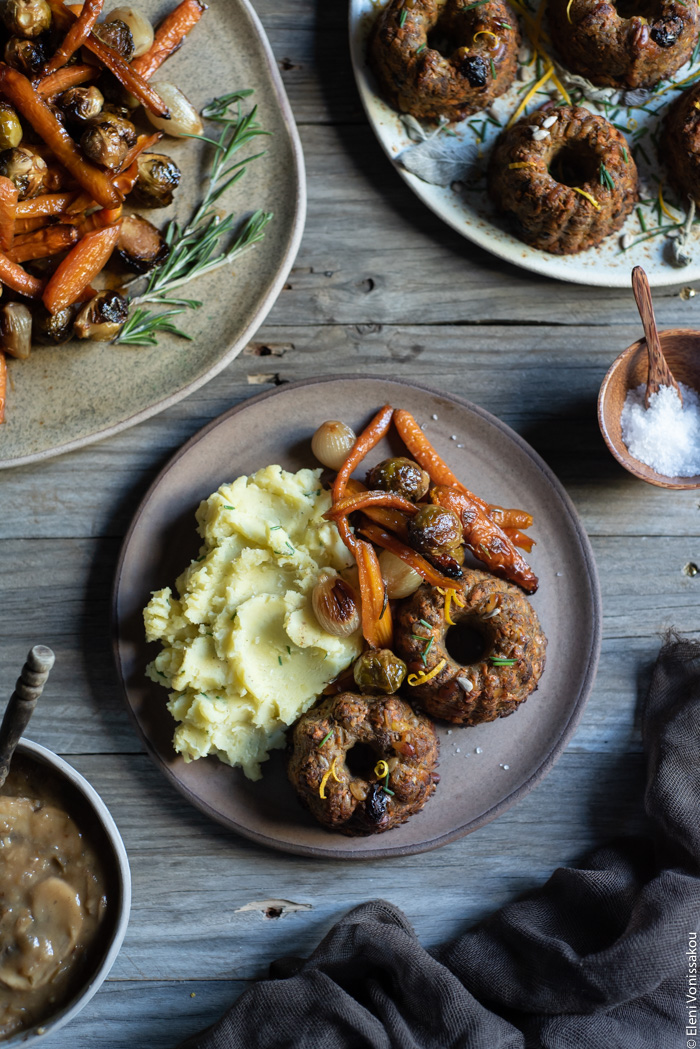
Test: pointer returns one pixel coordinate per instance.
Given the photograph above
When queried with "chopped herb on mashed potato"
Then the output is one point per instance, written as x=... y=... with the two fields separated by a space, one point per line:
x=242 y=651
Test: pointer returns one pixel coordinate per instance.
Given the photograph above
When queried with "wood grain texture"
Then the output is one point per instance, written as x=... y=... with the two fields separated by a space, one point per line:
x=380 y=288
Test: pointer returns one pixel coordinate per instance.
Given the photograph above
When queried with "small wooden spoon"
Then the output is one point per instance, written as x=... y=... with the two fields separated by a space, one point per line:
x=23 y=700
x=659 y=371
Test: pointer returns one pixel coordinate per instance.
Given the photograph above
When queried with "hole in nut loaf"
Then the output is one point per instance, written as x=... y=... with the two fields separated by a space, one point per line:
x=361 y=760
x=465 y=644
x=573 y=165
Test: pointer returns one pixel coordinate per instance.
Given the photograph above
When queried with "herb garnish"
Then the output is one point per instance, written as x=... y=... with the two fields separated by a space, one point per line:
x=498 y=661
x=606 y=178
x=493 y=69
x=326 y=738
x=208 y=240
x=402 y=17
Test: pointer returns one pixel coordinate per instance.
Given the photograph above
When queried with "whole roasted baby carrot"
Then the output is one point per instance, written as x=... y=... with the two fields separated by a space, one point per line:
x=62 y=79
x=75 y=37
x=8 y=212
x=362 y=500
x=18 y=279
x=376 y=614
x=485 y=539
x=408 y=555
x=47 y=204
x=80 y=267
x=43 y=243
x=369 y=437
x=19 y=92
x=127 y=76
x=168 y=37
x=391 y=520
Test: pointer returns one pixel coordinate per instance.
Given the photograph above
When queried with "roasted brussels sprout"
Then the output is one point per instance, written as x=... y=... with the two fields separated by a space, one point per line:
x=117 y=35
x=28 y=56
x=140 y=245
x=437 y=534
x=10 y=127
x=379 y=670
x=107 y=139
x=158 y=178
x=27 y=18
x=400 y=475
x=102 y=317
x=141 y=28
x=27 y=170
x=81 y=103
x=16 y=330
x=54 y=328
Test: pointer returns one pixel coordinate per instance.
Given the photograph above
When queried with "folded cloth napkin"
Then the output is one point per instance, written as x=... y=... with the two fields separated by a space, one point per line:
x=603 y=956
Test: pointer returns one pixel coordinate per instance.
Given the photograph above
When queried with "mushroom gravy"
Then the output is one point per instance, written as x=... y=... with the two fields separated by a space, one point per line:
x=53 y=896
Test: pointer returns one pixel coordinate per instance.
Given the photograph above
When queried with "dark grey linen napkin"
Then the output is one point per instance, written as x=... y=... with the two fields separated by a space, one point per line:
x=600 y=957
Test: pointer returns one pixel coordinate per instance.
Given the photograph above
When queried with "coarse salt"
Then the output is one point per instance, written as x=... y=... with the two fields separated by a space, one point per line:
x=666 y=435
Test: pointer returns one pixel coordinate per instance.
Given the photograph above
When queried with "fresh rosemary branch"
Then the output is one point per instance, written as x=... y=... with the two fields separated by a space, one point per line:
x=208 y=240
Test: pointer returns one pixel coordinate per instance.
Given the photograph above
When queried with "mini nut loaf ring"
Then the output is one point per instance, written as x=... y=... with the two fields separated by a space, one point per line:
x=680 y=144
x=597 y=42
x=501 y=679
x=396 y=774
x=564 y=177
x=451 y=60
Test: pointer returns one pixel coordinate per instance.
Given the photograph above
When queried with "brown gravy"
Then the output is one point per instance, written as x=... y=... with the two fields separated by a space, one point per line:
x=53 y=895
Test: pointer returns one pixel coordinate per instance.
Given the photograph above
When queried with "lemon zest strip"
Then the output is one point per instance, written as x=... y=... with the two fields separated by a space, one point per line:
x=667 y=213
x=322 y=788
x=568 y=8
x=448 y=601
x=588 y=197
x=457 y=599
x=487 y=32
x=533 y=91
x=381 y=769
x=521 y=164
x=697 y=105
x=420 y=679
x=678 y=83
x=336 y=777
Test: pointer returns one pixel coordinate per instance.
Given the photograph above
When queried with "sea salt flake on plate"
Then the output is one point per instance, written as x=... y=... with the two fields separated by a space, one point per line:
x=666 y=435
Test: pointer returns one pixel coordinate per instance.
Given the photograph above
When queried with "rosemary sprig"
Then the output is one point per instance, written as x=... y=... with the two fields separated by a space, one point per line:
x=209 y=240
x=606 y=178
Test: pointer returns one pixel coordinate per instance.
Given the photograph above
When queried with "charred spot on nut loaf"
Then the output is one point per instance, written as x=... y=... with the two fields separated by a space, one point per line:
x=475 y=70
x=665 y=31
x=376 y=803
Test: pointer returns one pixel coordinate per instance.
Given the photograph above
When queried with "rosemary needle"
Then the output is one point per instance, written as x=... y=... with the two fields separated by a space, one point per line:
x=208 y=240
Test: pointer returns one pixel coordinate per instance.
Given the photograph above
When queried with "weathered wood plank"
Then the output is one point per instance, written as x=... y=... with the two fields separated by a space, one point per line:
x=541 y=381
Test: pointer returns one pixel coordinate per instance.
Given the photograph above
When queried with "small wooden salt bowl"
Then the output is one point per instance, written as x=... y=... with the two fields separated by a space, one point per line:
x=681 y=348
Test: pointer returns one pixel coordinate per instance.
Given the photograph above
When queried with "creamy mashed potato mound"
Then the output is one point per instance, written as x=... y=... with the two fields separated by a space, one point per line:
x=242 y=651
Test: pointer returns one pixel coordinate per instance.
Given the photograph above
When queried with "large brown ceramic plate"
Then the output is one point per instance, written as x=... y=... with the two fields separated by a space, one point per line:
x=475 y=783
x=67 y=396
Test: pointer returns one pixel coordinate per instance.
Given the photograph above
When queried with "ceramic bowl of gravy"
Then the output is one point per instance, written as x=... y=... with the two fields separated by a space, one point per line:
x=65 y=895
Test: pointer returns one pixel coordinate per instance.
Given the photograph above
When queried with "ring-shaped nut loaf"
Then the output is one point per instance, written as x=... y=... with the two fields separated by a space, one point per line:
x=489 y=688
x=434 y=60
x=357 y=804
x=597 y=43
x=680 y=144
x=564 y=177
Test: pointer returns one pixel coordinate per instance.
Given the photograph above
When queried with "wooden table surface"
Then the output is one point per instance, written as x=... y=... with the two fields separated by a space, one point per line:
x=380 y=287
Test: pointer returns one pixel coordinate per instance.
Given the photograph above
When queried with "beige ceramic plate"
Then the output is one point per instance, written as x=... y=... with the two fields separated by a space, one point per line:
x=68 y=396
x=276 y=428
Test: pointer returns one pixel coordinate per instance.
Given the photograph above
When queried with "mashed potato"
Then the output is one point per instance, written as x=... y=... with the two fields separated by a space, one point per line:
x=242 y=651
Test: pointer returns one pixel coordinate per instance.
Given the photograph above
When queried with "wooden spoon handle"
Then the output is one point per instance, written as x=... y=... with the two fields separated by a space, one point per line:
x=23 y=700
x=659 y=371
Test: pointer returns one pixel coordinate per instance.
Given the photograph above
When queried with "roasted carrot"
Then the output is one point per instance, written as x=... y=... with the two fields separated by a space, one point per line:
x=168 y=37
x=376 y=613
x=70 y=76
x=80 y=267
x=75 y=37
x=423 y=452
x=8 y=212
x=47 y=204
x=411 y=557
x=486 y=540
x=19 y=92
x=3 y=385
x=392 y=520
x=43 y=243
x=127 y=76
x=99 y=219
x=369 y=437
x=362 y=500
x=517 y=538
x=29 y=225
x=18 y=279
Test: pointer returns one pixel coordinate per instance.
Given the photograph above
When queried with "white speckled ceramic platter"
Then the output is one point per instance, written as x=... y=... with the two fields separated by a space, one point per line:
x=67 y=396
x=471 y=212
x=483 y=770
